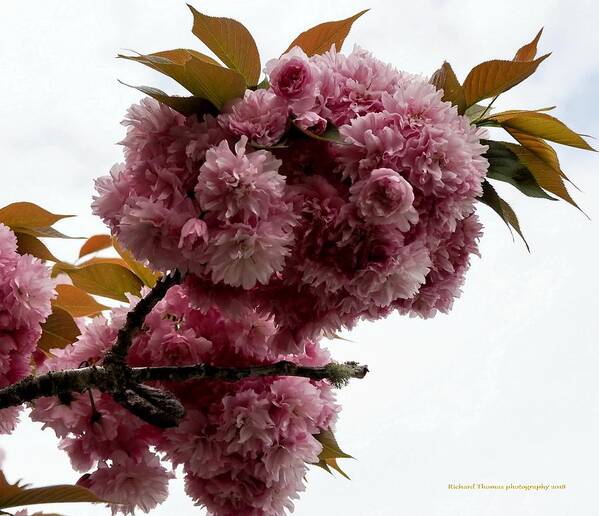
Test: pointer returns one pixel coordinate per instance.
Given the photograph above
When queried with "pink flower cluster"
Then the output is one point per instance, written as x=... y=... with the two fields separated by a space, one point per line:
x=314 y=233
x=244 y=446
x=25 y=293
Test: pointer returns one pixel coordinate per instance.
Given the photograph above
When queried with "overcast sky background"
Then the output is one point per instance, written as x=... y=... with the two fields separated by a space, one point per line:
x=504 y=389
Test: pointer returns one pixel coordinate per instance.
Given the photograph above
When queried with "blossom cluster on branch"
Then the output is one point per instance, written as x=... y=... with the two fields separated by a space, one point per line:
x=316 y=234
x=260 y=216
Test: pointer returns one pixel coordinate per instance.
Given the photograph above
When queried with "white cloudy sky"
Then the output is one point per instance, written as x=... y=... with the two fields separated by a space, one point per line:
x=505 y=389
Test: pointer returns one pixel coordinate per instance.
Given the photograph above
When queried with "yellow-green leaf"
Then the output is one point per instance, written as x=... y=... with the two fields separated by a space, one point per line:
x=28 y=215
x=491 y=198
x=104 y=279
x=540 y=125
x=231 y=42
x=491 y=78
x=197 y=74
x=330 y=447
x=144 y=273
x=27 y=244
x=77 y=302
x=49 y=494
x=330 y=452
x=95 y=243
x=319 y=39
x=445 y=79
x=528 y=51
x=541 y=149
x=59 y=330
x=546 y=176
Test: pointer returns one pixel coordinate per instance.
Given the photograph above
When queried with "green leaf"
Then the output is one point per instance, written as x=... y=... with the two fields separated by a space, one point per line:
x=231 y=42
x=197 y=73
x=491 y=78
x=27 y=244
x=144 y=273
x=103 y=279
x=77 y=302
x=331 y=134
x=28 y=215
x=541 y=125
x=94 y=244
x=59 y=330
x=185 y=105
x=319 y=39
x=504 y=165
x=445 y=79
x=491 y=198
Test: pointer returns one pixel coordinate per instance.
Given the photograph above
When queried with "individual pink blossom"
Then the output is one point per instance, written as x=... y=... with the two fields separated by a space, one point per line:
x=192 y=232
x=294 y=78
x=241 y=184
x=243 y=255
x=385 y=197
x=130 y=483
x=261 y=115
x=311 y=121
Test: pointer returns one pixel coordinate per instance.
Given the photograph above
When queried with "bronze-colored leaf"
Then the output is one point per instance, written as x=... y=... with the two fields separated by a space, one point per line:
x=528 y=51
x=445 y=79
x=231 y=42
x=491 y=78
x=46 y=232
x=491 y=198
x=144 y=273
x=27 y=244
x=77 y=302
x=103 y=279
x=94 y=244
x=185 y=105
x=28 y=215
x=319 y=39
x=540 y=125
x=59 y=330
x=196 y=73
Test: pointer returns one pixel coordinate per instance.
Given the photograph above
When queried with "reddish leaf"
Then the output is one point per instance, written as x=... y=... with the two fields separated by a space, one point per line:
x=77 y=302
x=319 y=39
x=95 y=243
x=528 y=51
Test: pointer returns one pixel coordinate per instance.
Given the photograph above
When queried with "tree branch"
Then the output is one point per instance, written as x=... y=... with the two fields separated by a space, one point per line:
x=79 y=380
x=125 y=384
x=136 y=317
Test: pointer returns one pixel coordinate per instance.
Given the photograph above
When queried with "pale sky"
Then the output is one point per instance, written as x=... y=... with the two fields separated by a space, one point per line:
x=504 y=389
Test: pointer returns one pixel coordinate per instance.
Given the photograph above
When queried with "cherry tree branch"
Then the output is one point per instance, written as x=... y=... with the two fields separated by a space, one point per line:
x=156 y=406
x=79 y=380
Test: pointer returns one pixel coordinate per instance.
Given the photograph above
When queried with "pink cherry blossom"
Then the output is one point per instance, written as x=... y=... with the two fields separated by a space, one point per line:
x=385 y=197
x=261 y=115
